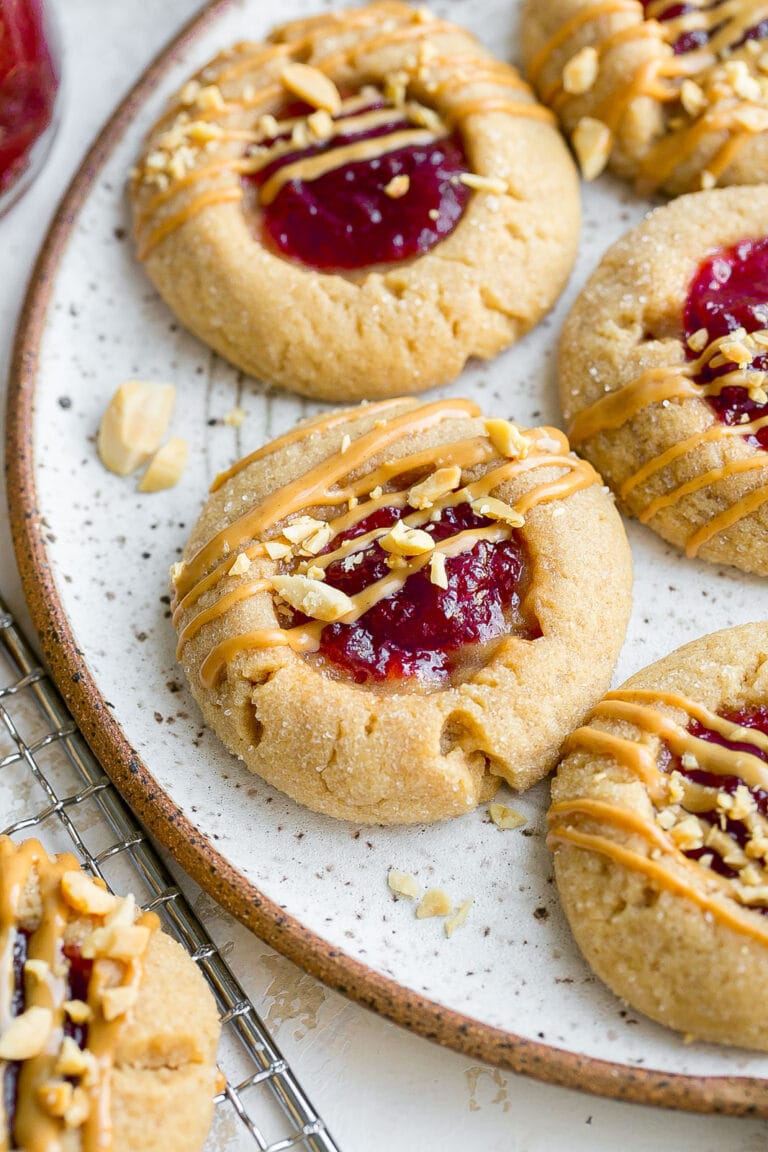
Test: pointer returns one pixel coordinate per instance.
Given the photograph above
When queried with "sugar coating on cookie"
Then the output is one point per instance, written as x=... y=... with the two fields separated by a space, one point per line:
x=107 y=1032
x=356 y=206
x=663 y=369
x=659 y=825
x=392 y=607
x=672 y=96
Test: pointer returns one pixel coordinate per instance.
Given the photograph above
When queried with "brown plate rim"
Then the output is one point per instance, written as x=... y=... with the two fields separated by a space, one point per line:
x=726 y=1095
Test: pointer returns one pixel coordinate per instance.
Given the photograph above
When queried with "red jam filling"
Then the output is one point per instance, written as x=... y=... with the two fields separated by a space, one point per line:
x=729 y=291
x=28 y=86
x=78 y=979
x=345 y=220
x=756 y=718
x=423 y=631
x=699 y=37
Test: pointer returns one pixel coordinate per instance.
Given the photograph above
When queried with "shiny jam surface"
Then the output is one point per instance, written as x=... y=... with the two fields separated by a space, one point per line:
x=729 y=291
x=423 y=631
x=345 y=220
x=28 y=85
x=699 y=37
x=756 y=718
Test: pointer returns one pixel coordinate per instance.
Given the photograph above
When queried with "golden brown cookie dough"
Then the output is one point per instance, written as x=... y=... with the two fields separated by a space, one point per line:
x=660 y=838
x=386 y=329
x=425 y=745
x=677 y=103
x=107 y=1031
x=629 y=390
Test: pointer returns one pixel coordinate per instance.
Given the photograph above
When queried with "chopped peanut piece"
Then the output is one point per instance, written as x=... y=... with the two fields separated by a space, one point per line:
x=592 y=145
x=27 y=1034
x=320 y=124
x=439 y=483
x=437 y=571
x=404 y=541
x=479 y=183
x=507 y=439
x=313 y=598
x=166 y=466
x=497 y=510
x=506 y=818
x=39 y=969
x=275 y=550
x=302 y=528
x=235 y=418
x=692 y=98
x=134 y=424
x=698 y=340
x=55 y=1096
x=459 y=917
x=85 y=895
x=402 y=884
x=79 y=1110
x=397 y=187
x=318 y=540
x=240 y=566
x=312 y=85
x=117 y=942
x=580 y=73
x=73 y=1060
x=117 y=1001
x=78 y=1011
x=434 y=902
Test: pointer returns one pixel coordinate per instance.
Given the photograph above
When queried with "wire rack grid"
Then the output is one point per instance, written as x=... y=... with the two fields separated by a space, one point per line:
x=52 y=787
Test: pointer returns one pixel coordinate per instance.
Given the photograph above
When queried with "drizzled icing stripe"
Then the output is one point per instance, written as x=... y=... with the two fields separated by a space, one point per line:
x=339 y=481
x=660 y=77
x=435 y=73
x=35 y=1128
x=665 y=864
x=656 y=385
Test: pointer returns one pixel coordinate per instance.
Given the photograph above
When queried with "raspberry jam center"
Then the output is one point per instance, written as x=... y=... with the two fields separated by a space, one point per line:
x=424 y=631
x=730 y=291
x=736 y=829
x=392 y=207
x=28 y=86
x=695 y=38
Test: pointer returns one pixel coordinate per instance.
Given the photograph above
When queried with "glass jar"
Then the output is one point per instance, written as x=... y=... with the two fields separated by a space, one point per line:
x=30 y=72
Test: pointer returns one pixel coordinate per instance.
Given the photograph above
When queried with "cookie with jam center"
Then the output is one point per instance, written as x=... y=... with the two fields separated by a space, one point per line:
x=393 y=607
x=356 y=206
x=671 y=96
x=659 y=827
x=663 y=372
x=108 y=1032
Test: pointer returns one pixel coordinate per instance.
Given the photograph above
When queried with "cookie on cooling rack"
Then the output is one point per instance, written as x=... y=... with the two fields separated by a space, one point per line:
x=107 y=1030
x=355 y=207
x=673 y=96
x=663 y=374
x=659 y=825
x=393 y=607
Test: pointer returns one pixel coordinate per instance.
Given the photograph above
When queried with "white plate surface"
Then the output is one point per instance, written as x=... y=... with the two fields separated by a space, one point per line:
x=513 y=965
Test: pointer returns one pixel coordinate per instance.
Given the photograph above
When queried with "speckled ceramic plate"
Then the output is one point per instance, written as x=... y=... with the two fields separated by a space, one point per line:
x=509 y=986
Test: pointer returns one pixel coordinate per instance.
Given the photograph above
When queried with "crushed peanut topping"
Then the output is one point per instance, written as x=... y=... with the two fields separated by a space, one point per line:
x=436 y=485
x=235 y=418
x=580 y=73
x=698 y=340
x=492 y=184
x=240 y=566
x=434 y=902
x=85 y=895
x=134 y=424
x=346 y=443
x=397 y=187
x=402 y=884
x=27 y=1034
x=320 y=124
x=592 y=144
x=497 y=510
x=506 y=818
x=166 y=467
x=313 y=598
x=311 y=85
x=459 y=917
x=692 y=98
x=38 y=969
x=276 y=550
x=507 y=439
x=302 y=528
x=55 y=1096
x=404 y=541
x=78 y=1011
x=437 y=571
x=117 y=1001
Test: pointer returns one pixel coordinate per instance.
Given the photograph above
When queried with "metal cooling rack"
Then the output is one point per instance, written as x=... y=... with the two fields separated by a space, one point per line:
x=52 y=787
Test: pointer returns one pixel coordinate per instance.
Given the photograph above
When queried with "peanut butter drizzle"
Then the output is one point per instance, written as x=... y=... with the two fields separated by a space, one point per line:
x=409 y=27
x=659 y=78
x=615 y=409
x=322 y=486
x=35 y=1130
x=669 y=499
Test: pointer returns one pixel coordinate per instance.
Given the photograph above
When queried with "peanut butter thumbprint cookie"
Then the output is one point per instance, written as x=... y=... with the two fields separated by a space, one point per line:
x=391 y=608
x=355 y=207
x=663 y=374
x=107 y=1031
x=671 y=95
x=659 y=826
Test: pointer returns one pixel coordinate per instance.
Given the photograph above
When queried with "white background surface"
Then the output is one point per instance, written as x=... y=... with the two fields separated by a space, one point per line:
x=376 y=1086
